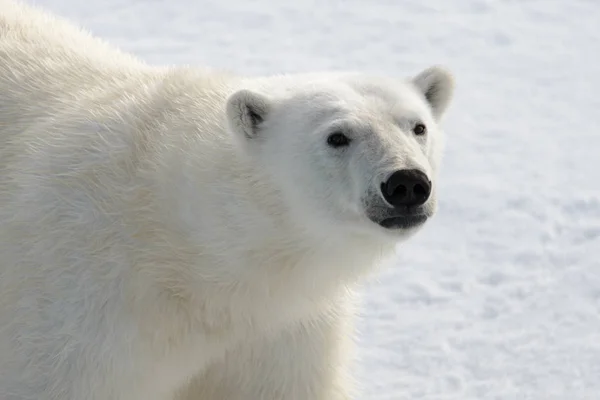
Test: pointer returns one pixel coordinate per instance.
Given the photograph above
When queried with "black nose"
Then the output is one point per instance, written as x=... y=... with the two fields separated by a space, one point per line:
x=406 y=187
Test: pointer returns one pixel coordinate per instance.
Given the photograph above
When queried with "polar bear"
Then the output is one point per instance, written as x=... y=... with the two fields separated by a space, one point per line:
x=182 y=233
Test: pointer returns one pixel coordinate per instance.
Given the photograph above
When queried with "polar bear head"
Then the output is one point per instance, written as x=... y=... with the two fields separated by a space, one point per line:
x=349 y=153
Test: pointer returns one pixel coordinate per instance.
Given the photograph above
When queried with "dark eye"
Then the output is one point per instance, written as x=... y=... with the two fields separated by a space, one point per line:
x=338 y=139
x=419 y=129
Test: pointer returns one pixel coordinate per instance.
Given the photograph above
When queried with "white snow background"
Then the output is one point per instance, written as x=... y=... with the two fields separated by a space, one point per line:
x=499 y=297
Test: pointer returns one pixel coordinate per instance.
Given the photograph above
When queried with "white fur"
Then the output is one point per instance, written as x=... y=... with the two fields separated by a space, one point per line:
x=155 y=235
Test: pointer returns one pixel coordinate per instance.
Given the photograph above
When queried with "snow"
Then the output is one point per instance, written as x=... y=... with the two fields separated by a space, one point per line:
x=499 y=297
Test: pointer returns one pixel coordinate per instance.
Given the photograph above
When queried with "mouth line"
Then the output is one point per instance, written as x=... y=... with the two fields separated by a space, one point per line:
x=404 y=221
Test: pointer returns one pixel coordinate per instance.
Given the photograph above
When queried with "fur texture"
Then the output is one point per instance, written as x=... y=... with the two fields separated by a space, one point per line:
x=185 y=233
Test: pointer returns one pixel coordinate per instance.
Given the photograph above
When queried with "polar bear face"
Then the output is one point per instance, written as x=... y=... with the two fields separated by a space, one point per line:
x=348 y=153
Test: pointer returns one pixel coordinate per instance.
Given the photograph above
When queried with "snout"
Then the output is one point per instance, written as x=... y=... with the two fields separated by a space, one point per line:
x=406 y=188
x=402 y=200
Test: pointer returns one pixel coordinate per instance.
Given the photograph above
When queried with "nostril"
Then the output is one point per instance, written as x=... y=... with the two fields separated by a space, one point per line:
x=419 y=190
x=392 y=187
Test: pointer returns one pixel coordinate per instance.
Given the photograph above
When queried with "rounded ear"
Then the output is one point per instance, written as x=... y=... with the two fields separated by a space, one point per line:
x=246 y=111
x=437 y=85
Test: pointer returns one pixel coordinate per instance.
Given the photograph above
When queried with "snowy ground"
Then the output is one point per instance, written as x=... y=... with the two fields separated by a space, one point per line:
x=499 y=298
